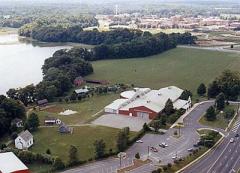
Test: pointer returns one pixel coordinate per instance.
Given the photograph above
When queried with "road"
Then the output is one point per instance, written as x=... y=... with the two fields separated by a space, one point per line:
x=177 y=146
x=223 y=159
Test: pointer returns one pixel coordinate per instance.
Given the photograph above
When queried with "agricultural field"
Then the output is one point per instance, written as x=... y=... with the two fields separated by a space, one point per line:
x=86 y=109
x=82 y=137
x=182 y=67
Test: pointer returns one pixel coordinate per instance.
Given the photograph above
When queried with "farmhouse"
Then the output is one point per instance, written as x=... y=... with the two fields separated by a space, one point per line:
x=24 y=140
x=147 y=103
x=9 y=163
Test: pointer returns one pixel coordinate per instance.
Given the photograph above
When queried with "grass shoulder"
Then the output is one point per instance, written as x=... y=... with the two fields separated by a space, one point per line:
x=221 y=121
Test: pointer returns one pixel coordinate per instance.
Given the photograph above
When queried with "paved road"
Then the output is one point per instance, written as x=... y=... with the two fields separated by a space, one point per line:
x=177 y=146
x=223 y=159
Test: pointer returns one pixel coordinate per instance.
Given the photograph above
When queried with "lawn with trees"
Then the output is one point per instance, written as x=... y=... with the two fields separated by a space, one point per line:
x=59 y=144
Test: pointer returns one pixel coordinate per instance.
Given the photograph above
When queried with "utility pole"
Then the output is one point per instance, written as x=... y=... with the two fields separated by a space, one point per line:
x=148 y=152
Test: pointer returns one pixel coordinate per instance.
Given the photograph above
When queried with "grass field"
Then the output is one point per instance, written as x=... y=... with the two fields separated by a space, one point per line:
x=86 y=109
x=82 y=137
x=183 y=67
x=220 y=122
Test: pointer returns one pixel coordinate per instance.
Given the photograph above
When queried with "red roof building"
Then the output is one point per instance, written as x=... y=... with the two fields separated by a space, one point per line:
x=10 y=163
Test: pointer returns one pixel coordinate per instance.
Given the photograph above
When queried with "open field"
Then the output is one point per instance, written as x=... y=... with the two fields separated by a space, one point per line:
x=86 y=109
x=183 y=67
x=220 y=122
x=82 y=137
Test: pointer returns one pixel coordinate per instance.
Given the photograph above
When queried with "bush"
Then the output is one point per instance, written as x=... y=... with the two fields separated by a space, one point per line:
x=58 y=164
x=137 y=156
x=169 y=165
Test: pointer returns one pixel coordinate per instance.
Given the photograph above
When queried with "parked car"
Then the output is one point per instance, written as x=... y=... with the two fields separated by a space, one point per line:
x=231 y=140
x=161 y=145
x=164 y=144
x=237 y=135
x=139 y=141
x=195 y=145
x=190 y=149
x=154 y=149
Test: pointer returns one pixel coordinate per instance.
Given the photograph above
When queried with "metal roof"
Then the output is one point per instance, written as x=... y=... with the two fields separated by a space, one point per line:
x=10 y=163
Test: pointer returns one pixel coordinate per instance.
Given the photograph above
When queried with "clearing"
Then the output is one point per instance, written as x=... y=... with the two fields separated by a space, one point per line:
x=85 y=109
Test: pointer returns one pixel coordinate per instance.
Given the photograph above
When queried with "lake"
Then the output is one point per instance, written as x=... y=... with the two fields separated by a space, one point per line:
x=21 y=61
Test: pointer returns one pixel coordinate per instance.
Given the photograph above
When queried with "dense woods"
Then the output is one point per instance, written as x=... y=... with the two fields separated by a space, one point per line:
x=9 y=110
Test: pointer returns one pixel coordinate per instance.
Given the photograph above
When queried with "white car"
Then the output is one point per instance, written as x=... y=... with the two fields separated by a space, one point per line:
x=139 y=141
x=164 y=144
x=231 y=140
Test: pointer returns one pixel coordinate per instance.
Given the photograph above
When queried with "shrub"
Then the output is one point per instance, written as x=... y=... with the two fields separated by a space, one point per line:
x=137 y=156
x=58 y=164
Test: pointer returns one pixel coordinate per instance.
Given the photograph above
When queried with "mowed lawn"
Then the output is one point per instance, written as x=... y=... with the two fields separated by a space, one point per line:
x=86 y=109
x=183 y=67
x=82 y=137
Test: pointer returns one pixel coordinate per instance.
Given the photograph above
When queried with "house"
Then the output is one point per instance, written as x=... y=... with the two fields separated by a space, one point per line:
x=63 y=128
x=82 y=91
x=51 y=121
x=42 y=103
x=79 y=81
x=10 y=163
x=24 y=140
x=17 y=122
x=147 y=103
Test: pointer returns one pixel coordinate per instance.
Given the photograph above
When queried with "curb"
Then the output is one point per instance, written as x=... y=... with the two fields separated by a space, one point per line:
x=204 y=154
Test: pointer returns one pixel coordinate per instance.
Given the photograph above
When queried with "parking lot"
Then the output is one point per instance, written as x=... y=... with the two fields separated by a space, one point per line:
x=121 y=121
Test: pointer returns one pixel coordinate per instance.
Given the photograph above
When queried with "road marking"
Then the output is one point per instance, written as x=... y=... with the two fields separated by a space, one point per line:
x=218 y=158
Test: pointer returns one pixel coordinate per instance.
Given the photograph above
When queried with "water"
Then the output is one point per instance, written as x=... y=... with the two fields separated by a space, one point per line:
x=21 y=61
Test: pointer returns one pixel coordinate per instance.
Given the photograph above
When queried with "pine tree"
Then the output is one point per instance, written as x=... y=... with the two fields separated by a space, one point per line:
x=201 y=89
x=169 y=107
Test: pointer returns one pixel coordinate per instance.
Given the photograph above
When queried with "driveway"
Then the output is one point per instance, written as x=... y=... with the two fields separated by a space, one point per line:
x=121 y=121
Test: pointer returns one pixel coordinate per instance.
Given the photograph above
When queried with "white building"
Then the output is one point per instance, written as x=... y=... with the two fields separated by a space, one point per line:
x=9 y=163
x=147 y=103
x=24 y=140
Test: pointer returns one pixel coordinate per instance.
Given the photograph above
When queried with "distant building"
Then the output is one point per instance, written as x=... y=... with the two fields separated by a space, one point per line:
x=9 y=163
x=42 y=103
x=147 y=103
x=79 y=81
x=52 y=121
x=81 y=91
x=17 y=122
x=24 y=140
x=63 y=128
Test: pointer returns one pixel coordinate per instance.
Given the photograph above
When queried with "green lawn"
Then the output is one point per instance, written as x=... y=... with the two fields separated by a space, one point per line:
x=183 y=67
x=220 y=122
x=82 y=137
x=86 y=109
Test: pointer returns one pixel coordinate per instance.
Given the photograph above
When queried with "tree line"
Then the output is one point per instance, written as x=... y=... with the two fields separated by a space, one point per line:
x=9 y=110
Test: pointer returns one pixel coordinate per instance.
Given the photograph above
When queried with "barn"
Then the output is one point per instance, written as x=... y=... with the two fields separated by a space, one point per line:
x=9 y=163
x=147 y=103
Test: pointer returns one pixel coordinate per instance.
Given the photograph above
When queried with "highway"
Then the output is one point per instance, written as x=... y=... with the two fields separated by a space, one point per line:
x=223 y=159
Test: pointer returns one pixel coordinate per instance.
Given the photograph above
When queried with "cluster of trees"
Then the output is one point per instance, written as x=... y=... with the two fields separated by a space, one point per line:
x=220 y=104
x=126 y=43
x=78 y=35
x=227 y=83
x=9 y=110
x=59 y=72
